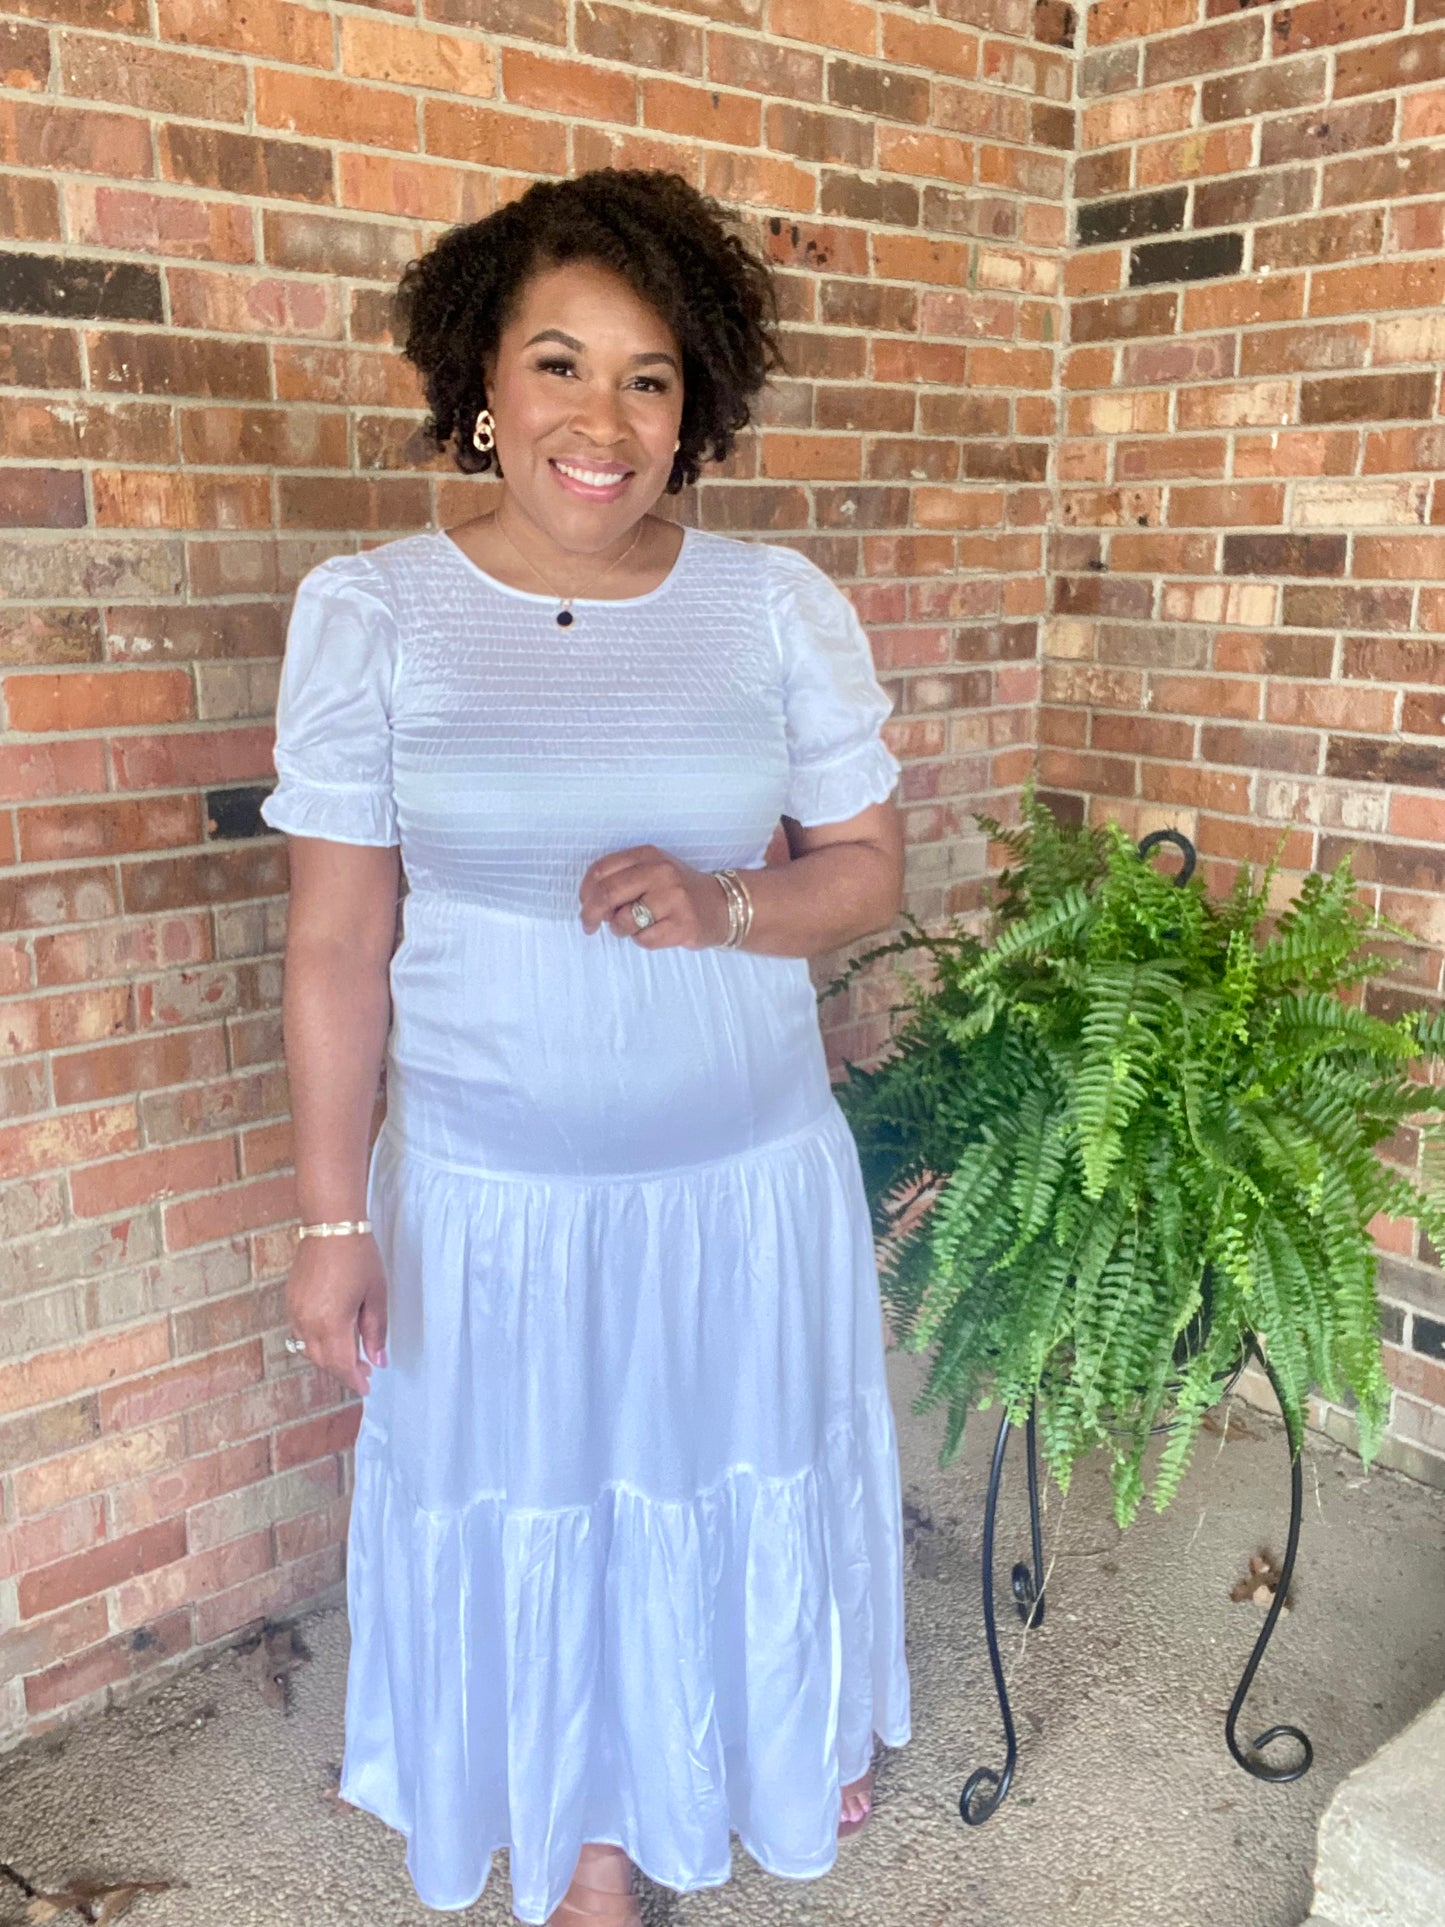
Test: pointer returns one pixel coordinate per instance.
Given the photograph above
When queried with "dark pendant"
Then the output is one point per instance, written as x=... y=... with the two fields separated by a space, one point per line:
x=564 y=618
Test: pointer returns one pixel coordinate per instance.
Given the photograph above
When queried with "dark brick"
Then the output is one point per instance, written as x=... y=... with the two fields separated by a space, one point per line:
x=175 y=364
x=1392 y=1324
x=80 y=289
x=186 y=882
x=1405 y=659
x=1423 y=715
x=50 y=1429
x=861 y=508
x=627 y=34
x=1198 y=259
x=1264 y=90
x=1112 y=70
x=24 y=51
x=1006 y=461
x=1096 y=175
x=1406 y=61
x=1320 y=23
x=1367 y=759
x=1328 y=237
x=869 y=304
x=1399 y=866
x=988 y=216
x=963 y=414
x=42 y=498
x=1055 y=23
x=213 y=631
x=996 y=642
x=1346 y=607
x=527 y=19
x=1307 y=656
x=1101 y=594
x=245 y=164
x=888 y=203
x=1053 y=126
x=885 y=92
x=1368 y=398
x=1330 y=130
x=39 y=357
x=836 y=138
x=1248 y=747
x=1122 y=316
x=1127 y=219
x=1284 y=554
x=1233 y=43
x=236 y=812
x=1244 y=198
x=1394 y=175
x=1429 y=1336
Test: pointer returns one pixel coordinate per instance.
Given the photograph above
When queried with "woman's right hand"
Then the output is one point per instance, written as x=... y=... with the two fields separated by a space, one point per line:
x=337 y=1288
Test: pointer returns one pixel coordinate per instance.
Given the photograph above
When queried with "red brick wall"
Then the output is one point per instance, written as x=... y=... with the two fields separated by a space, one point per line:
x=202 y=212
x=1248 y=600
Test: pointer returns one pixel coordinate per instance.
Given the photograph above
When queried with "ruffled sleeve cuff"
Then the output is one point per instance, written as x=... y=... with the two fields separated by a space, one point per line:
x=340 y=813
x=832 y=792
x=834 y=705
x=333 y=712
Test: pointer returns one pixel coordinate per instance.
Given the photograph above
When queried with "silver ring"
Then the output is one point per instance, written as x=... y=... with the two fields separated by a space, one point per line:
x=295 y=1344
x=641 y=915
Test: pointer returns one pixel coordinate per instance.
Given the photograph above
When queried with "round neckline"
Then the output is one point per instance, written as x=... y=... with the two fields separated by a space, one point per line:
x=591 y=602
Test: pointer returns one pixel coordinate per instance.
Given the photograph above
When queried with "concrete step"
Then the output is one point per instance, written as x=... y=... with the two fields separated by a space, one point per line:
x=1382 y=1839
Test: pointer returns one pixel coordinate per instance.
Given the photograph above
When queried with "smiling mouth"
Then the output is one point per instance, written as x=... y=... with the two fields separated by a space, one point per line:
x=590 y=475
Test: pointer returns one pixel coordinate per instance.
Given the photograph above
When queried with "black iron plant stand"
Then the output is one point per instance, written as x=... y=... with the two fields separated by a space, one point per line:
x=987 y=1787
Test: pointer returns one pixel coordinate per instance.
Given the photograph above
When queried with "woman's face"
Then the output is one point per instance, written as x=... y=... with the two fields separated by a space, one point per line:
x=586 y=392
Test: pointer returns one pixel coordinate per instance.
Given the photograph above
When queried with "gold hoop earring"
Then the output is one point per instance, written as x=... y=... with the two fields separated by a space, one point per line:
x=484 y=435
x=677 y=445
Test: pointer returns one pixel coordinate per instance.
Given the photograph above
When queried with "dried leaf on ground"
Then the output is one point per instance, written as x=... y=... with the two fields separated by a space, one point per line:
x=1261 y=1582
x=97 y=1901
x=1230 y=1425
x=276 y=1655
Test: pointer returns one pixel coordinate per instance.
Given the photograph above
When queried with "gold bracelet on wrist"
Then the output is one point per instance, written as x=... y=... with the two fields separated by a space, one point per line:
x=740 y=908
x=339 y=1228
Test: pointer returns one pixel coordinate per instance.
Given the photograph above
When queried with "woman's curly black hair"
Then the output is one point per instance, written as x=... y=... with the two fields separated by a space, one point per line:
x=672 y=245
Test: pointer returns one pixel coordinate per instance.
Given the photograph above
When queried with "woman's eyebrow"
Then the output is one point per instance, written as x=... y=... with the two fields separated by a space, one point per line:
x=571 y=341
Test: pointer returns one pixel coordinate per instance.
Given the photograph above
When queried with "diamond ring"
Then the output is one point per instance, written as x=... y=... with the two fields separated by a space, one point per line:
x=641 y=915
x=295 y=1344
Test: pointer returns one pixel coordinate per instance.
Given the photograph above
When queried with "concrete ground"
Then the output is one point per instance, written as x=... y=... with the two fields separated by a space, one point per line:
x=1127 y=1811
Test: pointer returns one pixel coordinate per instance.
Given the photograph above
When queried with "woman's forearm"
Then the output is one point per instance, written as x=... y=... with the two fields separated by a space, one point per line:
x=336 y=1009
x=336 y=1012
x=823 y=899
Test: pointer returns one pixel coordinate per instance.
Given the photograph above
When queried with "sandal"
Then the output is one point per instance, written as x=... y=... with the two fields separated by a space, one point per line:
x=602 y=1893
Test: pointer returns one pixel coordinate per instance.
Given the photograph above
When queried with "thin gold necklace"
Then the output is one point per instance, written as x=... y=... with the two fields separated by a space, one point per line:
x=564 y=614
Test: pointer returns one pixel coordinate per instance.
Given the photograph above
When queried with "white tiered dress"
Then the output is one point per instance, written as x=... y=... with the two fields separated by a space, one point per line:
x=625 y=1552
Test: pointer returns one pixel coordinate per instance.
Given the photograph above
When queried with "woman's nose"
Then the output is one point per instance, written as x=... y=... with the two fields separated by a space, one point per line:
x=599 y=417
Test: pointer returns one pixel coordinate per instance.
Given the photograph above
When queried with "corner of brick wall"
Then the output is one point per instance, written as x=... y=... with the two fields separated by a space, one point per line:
x=1247 y=629
x=202 y=214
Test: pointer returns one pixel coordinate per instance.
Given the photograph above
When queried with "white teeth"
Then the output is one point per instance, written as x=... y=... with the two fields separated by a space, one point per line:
x=590 y=476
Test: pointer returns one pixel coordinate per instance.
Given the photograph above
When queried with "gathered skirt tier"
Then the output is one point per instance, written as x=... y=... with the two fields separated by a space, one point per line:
x=625 y=1552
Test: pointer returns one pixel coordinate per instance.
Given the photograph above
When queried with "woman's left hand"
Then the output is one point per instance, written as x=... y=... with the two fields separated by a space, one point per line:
x=689 y=906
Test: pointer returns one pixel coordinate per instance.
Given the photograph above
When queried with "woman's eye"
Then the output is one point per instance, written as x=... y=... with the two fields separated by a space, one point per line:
x=551 y=367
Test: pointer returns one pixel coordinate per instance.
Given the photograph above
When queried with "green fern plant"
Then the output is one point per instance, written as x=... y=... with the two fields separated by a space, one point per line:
x=1132 y=1134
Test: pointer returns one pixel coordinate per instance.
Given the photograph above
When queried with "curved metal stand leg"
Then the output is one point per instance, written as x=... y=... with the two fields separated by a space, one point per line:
x=1253 y=1764
x=1028 y=1582
x=987 y=1788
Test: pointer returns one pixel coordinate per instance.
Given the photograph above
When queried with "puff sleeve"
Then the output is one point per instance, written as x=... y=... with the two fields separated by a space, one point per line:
x=832 y=701
x=333 y=713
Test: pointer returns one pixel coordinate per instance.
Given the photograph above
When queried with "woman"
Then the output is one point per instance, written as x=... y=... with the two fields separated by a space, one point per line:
x=624 y=1567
